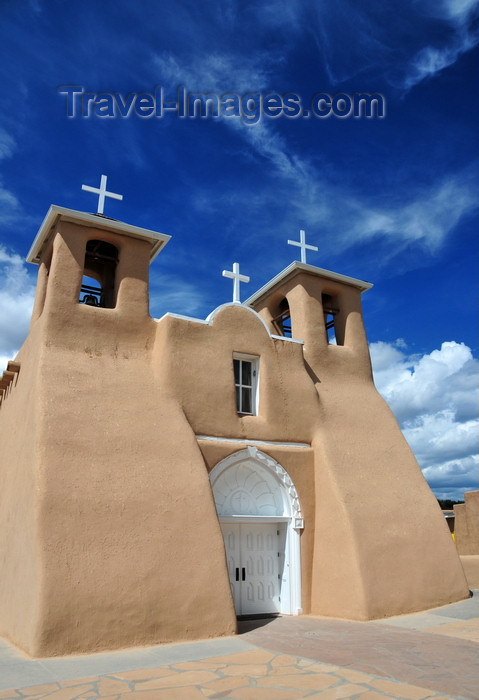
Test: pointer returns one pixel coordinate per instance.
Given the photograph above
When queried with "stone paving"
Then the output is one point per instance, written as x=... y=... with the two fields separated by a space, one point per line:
x=412 y=657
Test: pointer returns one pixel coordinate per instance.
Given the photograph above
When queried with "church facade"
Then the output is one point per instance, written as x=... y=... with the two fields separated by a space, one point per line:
x=159 y=478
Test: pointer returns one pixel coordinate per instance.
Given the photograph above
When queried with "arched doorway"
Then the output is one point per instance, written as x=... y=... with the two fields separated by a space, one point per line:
x=260 y=517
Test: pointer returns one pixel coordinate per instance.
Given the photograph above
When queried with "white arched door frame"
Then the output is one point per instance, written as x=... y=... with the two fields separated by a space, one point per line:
x=249 y=486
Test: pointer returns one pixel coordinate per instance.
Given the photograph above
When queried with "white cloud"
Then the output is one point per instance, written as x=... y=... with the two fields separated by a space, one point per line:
x=280 y=14
x=458 y=15
x=17 y=292
x=440 y=438
x=430 y=59
x=415 y=385
x=7 y=144
x=220 y=73
x=435 y=399
x=9 y=205
x=216 y=72
x=426 y=217
x=444 y=478
x=352 y=37
x=457 y=11
x=174 y=294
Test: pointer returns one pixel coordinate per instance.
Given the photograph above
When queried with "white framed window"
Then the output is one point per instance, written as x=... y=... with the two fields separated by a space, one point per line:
x=246 y=370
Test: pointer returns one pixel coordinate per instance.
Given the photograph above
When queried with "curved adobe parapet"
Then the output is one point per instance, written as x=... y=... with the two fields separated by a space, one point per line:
x=235 y=304
x=219 y=311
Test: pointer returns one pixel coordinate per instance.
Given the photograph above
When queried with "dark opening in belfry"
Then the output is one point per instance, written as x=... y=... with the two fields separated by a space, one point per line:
x=330 y=309
x=282 y=321
x=98 y=283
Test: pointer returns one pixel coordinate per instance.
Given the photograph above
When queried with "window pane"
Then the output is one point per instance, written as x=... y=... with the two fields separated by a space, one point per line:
x=236 y=364
x=238 y=399
x=246 y=400
x=246 y=373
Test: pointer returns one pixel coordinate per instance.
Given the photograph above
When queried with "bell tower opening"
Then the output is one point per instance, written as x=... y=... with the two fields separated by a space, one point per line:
x=98 y=282
x=282 y=321
x=330 y=309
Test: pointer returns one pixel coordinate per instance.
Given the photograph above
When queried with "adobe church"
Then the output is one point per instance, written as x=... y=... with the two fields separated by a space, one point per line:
x=159 y=478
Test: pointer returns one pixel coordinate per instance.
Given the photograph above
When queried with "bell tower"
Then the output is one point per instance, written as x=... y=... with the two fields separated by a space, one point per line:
x=360 y=457
x=93 y=272
x=321 y=308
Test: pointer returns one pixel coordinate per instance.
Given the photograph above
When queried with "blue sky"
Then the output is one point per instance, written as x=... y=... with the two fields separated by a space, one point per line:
x=390 y=200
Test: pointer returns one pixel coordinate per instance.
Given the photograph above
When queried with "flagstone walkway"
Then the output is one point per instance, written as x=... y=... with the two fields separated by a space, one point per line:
x=415 y=657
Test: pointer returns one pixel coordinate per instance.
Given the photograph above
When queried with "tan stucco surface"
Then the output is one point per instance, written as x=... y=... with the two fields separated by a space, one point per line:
x=19 y=483
x=470 y=564
x=109 y=531
x=110 y=525
x=382 y=546
x=466 y=525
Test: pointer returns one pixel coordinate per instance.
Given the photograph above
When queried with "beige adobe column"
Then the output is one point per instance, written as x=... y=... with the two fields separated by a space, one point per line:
x=66 y=269
x=132 y=278
x=466 y=526
x=350 y=328
x=307 y=316
x=42 y=281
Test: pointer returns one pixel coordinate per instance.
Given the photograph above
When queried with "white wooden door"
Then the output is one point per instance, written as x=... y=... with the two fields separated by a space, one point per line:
x=254 y=559
x=231 y=536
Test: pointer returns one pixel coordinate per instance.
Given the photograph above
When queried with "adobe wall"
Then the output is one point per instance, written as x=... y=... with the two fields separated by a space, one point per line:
x=466 y=526
x=194 y=362
x=20 y=483
x=386 y=548
x=118 y=503
x=128 y=516
x=470 y=564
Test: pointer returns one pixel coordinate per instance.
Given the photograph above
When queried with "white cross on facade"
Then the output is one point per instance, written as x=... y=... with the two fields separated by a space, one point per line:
x=303 y=245
x=235 y=275
x=102 y=192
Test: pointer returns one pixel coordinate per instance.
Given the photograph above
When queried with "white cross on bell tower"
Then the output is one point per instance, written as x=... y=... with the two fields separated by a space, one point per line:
x=102 y=192
x=303 y=245
x=235 y=275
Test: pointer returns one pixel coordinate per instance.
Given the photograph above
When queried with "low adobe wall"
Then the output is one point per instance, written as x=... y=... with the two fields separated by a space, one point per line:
x=466 y=527
x=470 y=564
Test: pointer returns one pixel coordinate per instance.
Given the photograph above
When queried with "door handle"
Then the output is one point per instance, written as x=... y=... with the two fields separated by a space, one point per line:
x=237 y=573
x=243 y=574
